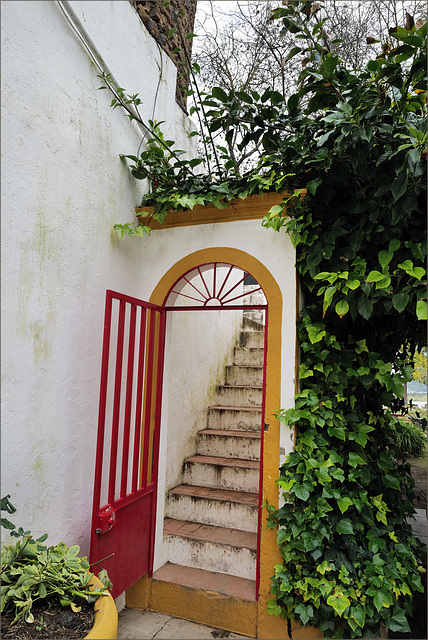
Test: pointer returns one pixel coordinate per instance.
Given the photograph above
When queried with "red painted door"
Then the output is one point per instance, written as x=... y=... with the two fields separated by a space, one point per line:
x=124 y=507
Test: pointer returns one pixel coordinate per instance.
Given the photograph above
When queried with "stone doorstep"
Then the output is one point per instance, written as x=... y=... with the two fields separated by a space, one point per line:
x=248 y=356
x=210 y=533
x=234 y=418
x=225 y=462
x=226 y=477
x=252 y=387
x=212 y=547
x=252 y=339
x=230 y=433
x=237 y=374
x=232 y=395
x=222 y=495
x=207 y=581
x=218 y=407
x=227 y=445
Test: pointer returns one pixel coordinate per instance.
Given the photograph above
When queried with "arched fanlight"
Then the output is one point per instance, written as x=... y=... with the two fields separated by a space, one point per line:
x=216 y=284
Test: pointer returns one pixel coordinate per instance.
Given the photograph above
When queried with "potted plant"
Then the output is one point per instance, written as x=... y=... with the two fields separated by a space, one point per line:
x=49 y=590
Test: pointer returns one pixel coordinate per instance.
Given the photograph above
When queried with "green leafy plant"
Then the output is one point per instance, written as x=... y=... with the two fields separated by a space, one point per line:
x=33 y=573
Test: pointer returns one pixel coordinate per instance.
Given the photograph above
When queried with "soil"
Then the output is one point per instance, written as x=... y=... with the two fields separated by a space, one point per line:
x=57 y=622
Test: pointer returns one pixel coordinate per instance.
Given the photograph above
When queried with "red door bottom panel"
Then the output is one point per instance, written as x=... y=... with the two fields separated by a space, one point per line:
x=129 y=539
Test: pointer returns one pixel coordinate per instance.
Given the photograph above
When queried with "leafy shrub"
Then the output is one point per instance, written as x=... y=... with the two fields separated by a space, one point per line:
x=32 y=572
x=408 y=438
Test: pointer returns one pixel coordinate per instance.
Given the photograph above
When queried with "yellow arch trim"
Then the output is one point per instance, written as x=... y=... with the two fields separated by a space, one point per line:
x=269 y=553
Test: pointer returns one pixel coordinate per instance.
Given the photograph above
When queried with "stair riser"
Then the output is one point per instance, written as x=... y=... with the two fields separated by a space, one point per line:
x=253 y=339
x=215 y=512
x=244 y=375
x=229 y=447
x=211 y=475
x=211 y=556
x=248 y=324
x=234 y=419
x=248 y=356
x=239 y=397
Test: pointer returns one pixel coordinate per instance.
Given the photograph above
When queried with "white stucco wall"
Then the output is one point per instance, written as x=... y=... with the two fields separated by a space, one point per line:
x=63 y=188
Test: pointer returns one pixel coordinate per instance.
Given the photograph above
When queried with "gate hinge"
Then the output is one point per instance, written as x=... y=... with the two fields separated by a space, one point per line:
x=105 y=520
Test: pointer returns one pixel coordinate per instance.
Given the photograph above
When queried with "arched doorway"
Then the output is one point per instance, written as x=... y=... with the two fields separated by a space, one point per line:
x=220 y=294
x=207 y=291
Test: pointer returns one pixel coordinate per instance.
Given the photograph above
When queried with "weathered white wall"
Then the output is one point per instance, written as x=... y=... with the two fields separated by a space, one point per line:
x=63 y=188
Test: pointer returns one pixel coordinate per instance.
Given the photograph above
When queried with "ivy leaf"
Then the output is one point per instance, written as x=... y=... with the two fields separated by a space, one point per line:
x=345 y=526
x=399 y=185
x=365 y=307
x=341 y=308
x=305 y=612
x=313 y=185
x=375 y=276
x=398 y=621
x=358 y=614
x=339 y=602
x=315 y=335
x=382 y=599
x=421 y=309
x=344 y=503
x=361 y=346
x=355 y=460
x=400 y=300
x=273 y=607
x=301 y=492
x=391 y=481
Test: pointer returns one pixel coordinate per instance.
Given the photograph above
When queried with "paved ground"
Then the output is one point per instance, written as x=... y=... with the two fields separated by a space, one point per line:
x=419 y=524
x=146 y=625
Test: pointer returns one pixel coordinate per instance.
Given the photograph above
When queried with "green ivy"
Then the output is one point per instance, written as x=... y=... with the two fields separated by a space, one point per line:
x=356 y=141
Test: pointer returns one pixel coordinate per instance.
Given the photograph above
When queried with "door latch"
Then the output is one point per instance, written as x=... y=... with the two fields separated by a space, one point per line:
x=105 y=520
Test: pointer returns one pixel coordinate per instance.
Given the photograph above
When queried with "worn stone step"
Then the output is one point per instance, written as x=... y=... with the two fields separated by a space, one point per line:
x=230 y=586
x=208 y=505
x=229 y=444
x=212 y=548
x=252 y=339
x=248 y=356
x=248 y=324
x=244 y=375
x=239 y=395
x=222 y=473
x=235 y=418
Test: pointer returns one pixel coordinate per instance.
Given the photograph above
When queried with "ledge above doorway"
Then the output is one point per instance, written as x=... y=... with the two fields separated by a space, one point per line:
x=251 y=208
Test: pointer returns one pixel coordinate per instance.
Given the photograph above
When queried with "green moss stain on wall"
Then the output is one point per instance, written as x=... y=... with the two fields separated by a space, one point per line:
x=40 y=279
x=38 y=465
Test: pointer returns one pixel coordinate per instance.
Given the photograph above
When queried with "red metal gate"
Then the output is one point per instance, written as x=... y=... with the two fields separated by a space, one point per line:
x=124 y=507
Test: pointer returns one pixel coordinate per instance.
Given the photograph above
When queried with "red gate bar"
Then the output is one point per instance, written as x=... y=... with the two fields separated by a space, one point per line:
x=129 y=387
x=139 y=403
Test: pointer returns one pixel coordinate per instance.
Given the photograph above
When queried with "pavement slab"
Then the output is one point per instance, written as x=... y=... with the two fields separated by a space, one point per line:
x=135 y=624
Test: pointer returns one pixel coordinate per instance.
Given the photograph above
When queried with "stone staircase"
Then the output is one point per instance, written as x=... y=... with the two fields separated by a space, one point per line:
x=210 y=529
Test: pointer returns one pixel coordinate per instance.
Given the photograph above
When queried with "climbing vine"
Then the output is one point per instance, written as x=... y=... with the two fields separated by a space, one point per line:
x=356 y=140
